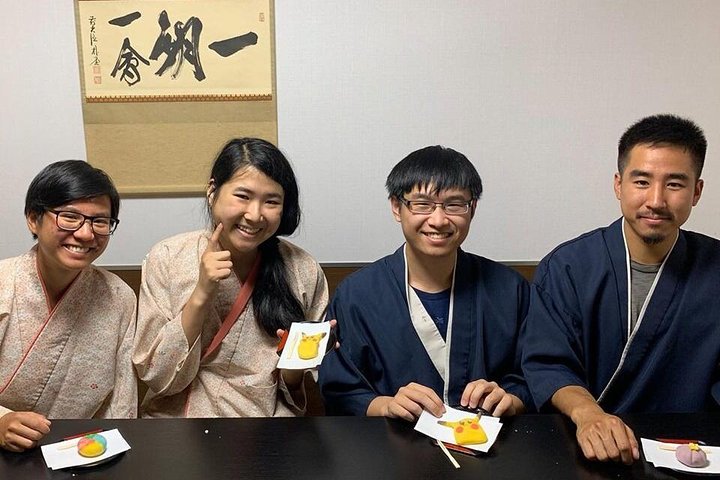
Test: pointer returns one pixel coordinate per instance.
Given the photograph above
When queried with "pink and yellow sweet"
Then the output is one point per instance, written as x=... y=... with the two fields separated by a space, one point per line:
x=92 y=445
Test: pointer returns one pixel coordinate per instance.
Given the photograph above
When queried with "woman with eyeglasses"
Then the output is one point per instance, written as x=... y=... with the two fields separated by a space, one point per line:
x=212 y=301
x=66 y=326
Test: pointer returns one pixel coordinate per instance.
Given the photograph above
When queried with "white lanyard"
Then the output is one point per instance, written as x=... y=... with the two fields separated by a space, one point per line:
x=437 y=348
x=641 y=315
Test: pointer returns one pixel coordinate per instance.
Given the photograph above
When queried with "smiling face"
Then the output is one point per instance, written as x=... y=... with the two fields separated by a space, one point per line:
x=657 y=191
x=250 y=207
x=436 y=234
x=62 y=253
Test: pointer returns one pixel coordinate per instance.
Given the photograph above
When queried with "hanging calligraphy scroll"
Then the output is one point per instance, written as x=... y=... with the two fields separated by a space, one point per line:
x=167 y=82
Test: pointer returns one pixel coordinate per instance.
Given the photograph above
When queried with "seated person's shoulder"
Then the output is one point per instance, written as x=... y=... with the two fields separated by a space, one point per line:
x=491 y=270
x=8 y=277
x=180 y=244
x=699 y=242
x=577 y=254
x=107 y=283
x=298 y=257
x=8 y=268
x=367 y=280
x=6 y=263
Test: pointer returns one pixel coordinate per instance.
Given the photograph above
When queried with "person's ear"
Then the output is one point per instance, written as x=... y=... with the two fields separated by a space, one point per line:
x=473 y=206
x=697 y=192
x=395 y=205
x=617 y=185
x=210 y=192
x=33 y=222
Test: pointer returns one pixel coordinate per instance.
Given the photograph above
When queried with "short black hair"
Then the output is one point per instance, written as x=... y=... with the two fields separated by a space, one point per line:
x=66 y=181
x=664 y=129
x=436 y=166
x=240 y=153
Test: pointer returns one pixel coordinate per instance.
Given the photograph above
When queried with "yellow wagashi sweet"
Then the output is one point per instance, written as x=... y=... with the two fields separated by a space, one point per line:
x=467 y=431
x=310 y=345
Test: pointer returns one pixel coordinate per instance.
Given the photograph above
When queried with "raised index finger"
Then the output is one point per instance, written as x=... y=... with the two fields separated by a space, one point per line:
x=214 y=243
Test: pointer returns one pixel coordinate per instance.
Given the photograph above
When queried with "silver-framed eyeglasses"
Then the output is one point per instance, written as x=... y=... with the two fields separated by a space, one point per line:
x=73 y=221
x=426 y=207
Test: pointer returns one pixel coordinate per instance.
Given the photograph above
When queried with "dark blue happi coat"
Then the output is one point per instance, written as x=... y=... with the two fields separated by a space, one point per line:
x=577 y=326
x=381 y=352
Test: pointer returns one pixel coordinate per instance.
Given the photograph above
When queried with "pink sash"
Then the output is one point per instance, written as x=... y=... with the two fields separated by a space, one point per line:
x=240 y=303
x=238 y=307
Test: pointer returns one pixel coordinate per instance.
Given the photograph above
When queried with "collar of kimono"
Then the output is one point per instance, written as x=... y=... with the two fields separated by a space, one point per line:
x=241 y=302
x=641 y=315
x=61 y=295
x=437 y=349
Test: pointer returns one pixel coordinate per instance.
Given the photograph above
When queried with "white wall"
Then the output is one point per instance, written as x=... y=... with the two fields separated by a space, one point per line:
x=536 y=94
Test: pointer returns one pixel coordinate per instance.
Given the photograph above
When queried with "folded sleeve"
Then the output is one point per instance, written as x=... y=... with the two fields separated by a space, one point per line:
x=552 y=349
x=161 y=354
x=344 y=388
x=123 y=399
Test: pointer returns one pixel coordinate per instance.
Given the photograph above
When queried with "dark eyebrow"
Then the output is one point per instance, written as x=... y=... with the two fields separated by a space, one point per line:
x=417 y=197
x=421 y=197
x=671 y=176
x=638 y=173
x=71 y=209
x=242 y=189
x=456 y=198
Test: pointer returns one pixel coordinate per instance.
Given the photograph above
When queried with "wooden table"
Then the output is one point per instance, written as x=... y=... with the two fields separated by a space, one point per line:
x=537 y=447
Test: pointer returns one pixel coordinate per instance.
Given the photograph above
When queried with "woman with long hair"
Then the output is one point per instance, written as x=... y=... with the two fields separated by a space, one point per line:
x=212 y=301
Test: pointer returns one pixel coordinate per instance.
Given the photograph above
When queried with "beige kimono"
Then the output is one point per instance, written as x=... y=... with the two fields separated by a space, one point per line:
x=74 y=361
x=240 y=378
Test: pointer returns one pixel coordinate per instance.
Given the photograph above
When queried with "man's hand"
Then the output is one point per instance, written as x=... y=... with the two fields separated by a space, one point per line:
x=605 y=437
x=408 y=403
x=20 y=431
x=491 y=397
x=601 y=436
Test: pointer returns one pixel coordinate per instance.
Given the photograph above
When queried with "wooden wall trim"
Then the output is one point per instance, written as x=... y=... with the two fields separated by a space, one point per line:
x=334 y=273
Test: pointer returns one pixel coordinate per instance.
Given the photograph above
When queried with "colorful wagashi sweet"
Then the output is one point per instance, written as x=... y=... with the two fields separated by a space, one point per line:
x=467 y=431
x=310 y=345
x=691 y=455
x=92 y=445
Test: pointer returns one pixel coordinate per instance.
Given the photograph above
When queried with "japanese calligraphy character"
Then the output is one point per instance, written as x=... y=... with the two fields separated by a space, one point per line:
x=128 y=61
x=180 y=48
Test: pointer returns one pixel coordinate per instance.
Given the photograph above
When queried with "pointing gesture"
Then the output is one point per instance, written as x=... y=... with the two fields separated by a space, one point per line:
x=215 y=264
x=214 y=243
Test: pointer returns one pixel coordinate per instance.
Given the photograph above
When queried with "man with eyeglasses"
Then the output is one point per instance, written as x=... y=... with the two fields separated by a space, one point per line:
x=429 y=325
x=66 y=327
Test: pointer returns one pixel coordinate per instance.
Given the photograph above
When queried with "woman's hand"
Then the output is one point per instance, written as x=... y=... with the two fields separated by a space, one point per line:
x=20 y=431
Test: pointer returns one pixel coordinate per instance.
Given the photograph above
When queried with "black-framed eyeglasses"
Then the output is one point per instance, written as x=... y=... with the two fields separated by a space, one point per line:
x=73 y=221
x=426 y=207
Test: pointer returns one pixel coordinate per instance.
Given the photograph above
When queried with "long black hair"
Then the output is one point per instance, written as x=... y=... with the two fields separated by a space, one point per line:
x=274 y=304
x=66 y=181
